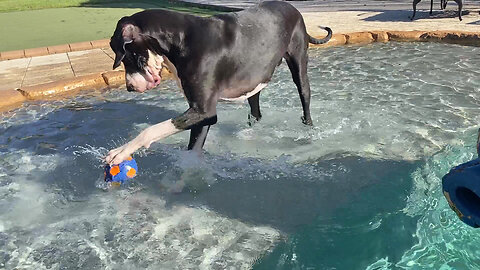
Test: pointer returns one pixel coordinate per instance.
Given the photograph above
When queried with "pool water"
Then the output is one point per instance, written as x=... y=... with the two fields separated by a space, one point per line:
x=359 y=190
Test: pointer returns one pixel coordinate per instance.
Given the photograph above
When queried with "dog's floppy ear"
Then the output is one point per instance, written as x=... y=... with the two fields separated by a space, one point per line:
x=118 y=56
x=129 y=33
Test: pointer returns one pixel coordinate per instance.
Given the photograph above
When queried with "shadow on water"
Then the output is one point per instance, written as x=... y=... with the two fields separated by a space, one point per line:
x=352 y=220
x=345 y=208
x=331 y=205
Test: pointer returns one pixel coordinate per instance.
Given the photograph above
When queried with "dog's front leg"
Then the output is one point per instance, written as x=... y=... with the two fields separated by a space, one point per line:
x=187 y=120
x=145 y=138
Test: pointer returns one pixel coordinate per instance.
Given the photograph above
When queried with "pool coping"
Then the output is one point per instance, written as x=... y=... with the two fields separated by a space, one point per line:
x=49 y=50
x=13 y=98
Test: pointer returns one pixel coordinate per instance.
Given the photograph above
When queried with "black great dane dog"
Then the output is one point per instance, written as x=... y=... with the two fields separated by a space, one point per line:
x=227 y=56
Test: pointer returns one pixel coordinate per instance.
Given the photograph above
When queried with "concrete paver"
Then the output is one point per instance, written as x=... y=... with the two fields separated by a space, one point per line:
x=110 y=53
x=89 y=62
x=12 y=73
x=47 y=73
x=60 y=58
x=15 y=63
x=47 y=68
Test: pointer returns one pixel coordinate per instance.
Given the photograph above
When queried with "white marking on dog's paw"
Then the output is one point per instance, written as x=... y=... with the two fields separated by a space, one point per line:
x=117 y=155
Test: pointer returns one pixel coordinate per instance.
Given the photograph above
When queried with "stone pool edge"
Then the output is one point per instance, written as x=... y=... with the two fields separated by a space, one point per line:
x=49 y=50
x=16 y=97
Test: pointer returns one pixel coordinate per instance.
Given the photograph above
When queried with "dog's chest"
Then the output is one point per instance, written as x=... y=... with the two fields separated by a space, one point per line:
x=173 y=70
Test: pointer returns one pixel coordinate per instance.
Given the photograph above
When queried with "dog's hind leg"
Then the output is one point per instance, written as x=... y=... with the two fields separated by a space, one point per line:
x=254 y=102
x=297 y=62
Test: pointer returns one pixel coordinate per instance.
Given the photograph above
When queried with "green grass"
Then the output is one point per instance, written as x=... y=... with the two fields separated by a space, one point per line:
x=18 y=5
x=49 y=22
x=21 y=5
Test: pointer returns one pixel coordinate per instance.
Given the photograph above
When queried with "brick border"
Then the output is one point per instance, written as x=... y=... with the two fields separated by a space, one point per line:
x=365 y=37
x=360 y=38
x=14 y=98
x=66 y=86
x=63 y=48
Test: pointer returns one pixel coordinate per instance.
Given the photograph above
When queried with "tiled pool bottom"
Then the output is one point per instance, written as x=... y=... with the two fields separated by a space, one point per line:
x=360 y=190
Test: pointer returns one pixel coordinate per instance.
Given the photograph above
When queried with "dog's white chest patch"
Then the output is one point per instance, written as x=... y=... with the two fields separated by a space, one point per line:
x=245 y=96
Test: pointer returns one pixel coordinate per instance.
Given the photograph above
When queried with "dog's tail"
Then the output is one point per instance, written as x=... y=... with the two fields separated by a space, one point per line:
x=323 y=40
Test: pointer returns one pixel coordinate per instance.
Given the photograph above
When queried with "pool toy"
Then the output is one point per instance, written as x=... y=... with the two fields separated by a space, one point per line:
x=121 y=173
x=461 y=187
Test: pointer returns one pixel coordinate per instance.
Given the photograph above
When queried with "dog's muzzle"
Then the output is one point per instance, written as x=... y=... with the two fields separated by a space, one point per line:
x=142 y=82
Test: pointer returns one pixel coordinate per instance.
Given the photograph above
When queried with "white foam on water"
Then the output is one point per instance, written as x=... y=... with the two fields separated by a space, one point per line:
x=382 y=264
x=26 y=200
x=98 y=153
x=123 y=228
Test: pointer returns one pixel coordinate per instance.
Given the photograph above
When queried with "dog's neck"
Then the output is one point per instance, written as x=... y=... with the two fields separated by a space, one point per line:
x=175 y=44
x=168 y=40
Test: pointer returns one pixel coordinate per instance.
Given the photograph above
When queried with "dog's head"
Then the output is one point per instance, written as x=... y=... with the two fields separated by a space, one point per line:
x=138 y=52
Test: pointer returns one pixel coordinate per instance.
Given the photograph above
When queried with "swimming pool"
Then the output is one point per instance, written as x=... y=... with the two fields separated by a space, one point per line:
x=359 y=190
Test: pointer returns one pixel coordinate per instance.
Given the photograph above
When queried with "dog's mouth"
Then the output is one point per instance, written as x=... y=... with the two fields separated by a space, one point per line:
x=153 y=76
x=153 y=70
x=148 y=78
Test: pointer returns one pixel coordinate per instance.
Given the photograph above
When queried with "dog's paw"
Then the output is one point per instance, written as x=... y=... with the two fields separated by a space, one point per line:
x=117 y=155
x=307 y=122
x=252 y=120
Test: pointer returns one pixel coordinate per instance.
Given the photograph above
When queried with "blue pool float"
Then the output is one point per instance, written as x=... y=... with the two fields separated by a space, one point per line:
x=461 y=187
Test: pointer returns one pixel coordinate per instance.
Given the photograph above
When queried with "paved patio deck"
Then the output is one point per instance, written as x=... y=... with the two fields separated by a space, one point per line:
x=341 y=5
x=18 y=73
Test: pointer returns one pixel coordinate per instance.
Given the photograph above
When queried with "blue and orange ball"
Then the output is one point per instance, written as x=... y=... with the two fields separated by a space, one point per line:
x=121 y=173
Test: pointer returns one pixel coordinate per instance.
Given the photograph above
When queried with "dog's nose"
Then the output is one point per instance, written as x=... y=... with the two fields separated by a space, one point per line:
x=130 y=88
